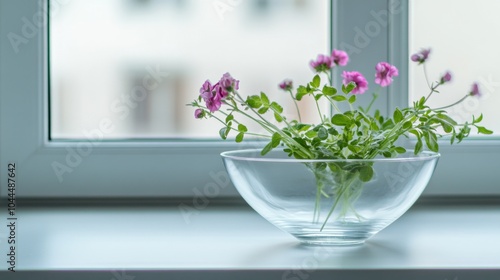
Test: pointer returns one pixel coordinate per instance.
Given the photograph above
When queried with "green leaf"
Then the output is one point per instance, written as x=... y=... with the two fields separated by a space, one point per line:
x=333 y=131
x=276 y=139
x=264 y=99
x=229 y=118
x=329 y=91
x=347 y=89
x=267 y=148
x=483 y=130
x=352 y=99
x=277 y=117
x=400 y=150
x=339 y=98
x=446 y=126
x=398 y=116
x=263 y=110
x=276 y=107
x=239 y=137
x=478 y=120
x=242 y=128
x=340 y=120
x=311 y=133
x=223 y=132
x=415 y=132
x=318 y=96
x=254 y=101
x=354 y=149
x=407 y=125
x=418 y=147
x=366 y=173
x=452 y=139
x=316 y=81
x=421 y=102
x=322 y=133
x=447 y=119
x=431 y=141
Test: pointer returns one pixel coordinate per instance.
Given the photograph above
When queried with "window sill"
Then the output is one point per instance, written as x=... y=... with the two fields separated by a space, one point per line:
x=228 y=242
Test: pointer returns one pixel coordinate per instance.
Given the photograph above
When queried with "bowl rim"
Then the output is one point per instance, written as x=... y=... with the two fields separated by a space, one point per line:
x=233 y=154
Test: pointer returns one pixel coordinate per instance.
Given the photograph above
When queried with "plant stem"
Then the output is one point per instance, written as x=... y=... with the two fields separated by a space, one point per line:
x=375 y=96
x=319 y=111
x=271 y=128
x=296 y=105
x=451 y=105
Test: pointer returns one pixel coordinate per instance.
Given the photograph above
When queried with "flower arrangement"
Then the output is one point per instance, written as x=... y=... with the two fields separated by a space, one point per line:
x=356 y=133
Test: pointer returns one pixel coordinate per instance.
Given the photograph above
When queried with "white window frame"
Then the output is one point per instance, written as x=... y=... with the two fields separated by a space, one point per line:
x=183 y=168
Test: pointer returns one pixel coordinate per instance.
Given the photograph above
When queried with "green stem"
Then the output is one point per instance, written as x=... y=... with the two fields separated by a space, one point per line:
x=232 y=128
x=319 y=111
x=451 y=105
x=375 y=96
x=337 y=199
x=272 y=128
x=296 y=105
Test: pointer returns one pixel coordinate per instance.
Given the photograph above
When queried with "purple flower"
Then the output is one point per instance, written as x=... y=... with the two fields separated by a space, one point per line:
x=286 y=85
x=206 y=90
x=358 y=79
x=199 y=113
x=210 y=95
x=475 y=90
x=322 y=63
x=446 y=77
x=385 y=72
x=228 y=83
x=421 y=56
x=213 y=104
x=340 y=57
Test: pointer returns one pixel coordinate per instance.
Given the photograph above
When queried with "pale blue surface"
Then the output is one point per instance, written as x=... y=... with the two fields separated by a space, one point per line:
x=236 y=238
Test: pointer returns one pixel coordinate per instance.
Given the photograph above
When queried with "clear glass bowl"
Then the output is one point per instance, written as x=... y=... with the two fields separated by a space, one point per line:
x=329 y=202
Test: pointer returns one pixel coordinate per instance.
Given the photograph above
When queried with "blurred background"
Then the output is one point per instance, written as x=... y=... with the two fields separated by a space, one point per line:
x=138 y=62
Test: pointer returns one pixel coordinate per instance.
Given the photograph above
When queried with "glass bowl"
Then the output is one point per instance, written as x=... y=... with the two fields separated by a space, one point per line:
x=329 y=202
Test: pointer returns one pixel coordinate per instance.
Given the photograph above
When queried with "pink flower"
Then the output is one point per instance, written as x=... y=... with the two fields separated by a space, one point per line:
x=199 y=113
x=475 y=90
x=384 y=74
x=358 y=79
x=446 y=77
x=322 y=63
x=421 y=56
x=213 y=104
x=228 y=83
x=340 y=57
x=286 y=85
x=210 y=95
x=206 y=90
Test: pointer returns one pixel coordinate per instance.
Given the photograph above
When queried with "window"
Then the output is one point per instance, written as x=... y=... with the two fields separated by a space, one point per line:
x=137 y=63
x=461 y=41
x=369 y=30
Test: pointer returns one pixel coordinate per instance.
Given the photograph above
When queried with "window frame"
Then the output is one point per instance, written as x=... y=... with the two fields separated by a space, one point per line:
x=135 y=169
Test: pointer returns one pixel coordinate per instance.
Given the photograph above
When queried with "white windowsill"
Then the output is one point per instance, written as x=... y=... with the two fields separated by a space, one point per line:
x=445 y=240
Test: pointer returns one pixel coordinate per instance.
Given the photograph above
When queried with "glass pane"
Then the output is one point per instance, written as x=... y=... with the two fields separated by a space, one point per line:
x=462 y=36
x=134 y=64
